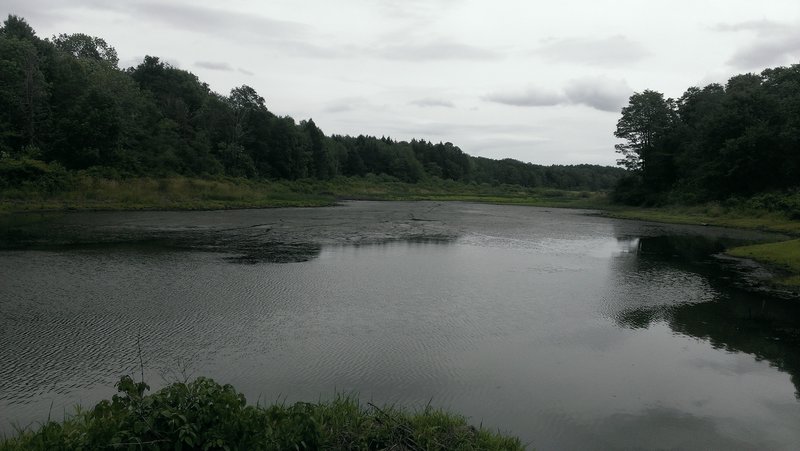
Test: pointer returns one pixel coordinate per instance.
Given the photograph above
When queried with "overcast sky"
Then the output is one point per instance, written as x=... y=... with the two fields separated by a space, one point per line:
x=537 y=80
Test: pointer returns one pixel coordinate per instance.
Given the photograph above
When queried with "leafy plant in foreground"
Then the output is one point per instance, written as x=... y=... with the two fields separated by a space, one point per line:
x=205 y=415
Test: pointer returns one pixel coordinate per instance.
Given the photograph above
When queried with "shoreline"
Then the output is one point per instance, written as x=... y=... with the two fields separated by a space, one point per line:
x=183 y=193
x=191 y=194
x=780 y=258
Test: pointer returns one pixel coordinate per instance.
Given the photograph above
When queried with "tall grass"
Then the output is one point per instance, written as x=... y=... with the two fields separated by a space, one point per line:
x=88 y=192
x=205 y=415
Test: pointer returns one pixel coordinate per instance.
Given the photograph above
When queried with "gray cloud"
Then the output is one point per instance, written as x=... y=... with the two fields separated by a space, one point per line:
x=600 y=93
x=416 y=11
x=346 y=104
x=44 y=13
x=412 y=52
x=530 y=97
x=310 y=50
x=775 y=43
x=421 y=129
x=760 y=26
x=610 y=51
x=222 y=22
x=767 y=52
x=213 y=65
x=435 y=51
x=286 y=37
x=216 y=21
x=433 y=102
x=245 y=71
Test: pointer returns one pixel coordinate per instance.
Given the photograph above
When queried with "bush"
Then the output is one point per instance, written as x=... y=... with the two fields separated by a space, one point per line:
x=205 y=415
x=786 y=203
x=32 y=174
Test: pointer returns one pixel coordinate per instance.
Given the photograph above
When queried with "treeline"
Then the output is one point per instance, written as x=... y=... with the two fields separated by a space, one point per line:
x=713 y=143
x=66 y=102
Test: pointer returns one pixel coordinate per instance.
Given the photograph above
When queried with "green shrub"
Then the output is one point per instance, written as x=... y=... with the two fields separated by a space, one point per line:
x=33 y=174
x=204 y=415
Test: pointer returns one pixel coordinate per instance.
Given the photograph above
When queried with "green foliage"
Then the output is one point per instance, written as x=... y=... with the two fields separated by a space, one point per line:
x=67 y=97
x=786 y=203
x=644 y=125
x=204 y=415
x=739 y=140
x=80 y=45
x=31 y=174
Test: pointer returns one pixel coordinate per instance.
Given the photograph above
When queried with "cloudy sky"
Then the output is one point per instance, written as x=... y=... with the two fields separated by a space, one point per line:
x=537 y=80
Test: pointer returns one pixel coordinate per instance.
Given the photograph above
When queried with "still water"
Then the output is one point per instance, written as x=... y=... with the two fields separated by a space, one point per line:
x=569 y=330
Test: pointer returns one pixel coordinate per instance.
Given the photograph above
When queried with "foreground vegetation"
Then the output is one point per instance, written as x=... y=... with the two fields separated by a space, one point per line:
x=205 y=415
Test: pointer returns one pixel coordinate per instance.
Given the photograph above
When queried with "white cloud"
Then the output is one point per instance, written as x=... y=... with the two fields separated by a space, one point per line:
x=611 y=51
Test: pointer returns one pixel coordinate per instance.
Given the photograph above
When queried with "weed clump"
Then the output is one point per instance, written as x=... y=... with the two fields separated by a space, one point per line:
x=205 y=415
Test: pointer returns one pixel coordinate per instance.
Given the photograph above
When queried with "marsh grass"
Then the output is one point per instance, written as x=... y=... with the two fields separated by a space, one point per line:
x=205 y=415
x=783 y=254
x=711 y=214
x=173 y=193
x=88 y=192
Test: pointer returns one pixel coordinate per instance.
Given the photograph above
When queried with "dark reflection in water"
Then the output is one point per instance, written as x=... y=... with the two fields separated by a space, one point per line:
x=275 y=253
x=250 y=244
x=728 y=317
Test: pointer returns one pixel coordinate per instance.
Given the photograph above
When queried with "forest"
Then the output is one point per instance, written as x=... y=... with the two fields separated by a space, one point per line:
x=66 y=106
x=715 y=143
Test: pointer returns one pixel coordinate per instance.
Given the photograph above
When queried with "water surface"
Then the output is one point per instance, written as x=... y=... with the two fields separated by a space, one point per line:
x=570 y=330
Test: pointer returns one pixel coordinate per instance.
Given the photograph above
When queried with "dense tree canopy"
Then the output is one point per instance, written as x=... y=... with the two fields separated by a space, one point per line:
x=713 y=142
x=65 y=101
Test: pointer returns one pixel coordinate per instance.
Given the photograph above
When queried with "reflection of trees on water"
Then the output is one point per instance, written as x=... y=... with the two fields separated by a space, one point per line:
x=292 y=252
x=675 y=280
x=248 y=244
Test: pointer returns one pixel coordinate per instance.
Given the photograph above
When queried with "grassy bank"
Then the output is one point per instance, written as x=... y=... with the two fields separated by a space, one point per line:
x=784 y=255
x=86 y=192
x=205 y=415
x=173 y=193
x=710 y=214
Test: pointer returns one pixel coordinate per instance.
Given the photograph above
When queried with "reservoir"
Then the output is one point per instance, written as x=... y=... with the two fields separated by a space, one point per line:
x=570 y=330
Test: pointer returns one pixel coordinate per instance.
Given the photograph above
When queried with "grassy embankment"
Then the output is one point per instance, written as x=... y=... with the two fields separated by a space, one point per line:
x=205 y=415
x=783 y=254
x=769 y=212
x=180 y=193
